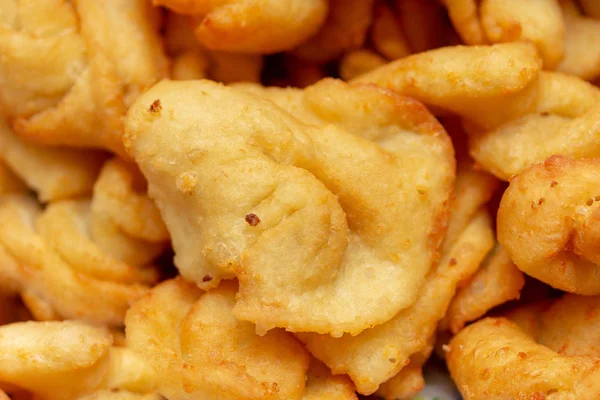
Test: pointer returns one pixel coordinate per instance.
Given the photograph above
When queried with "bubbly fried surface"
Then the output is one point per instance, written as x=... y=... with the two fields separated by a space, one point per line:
x=202 y=350
x=66 y=360
x=499 y=21
x=496 y=282
x=544 y=349
x=71 y=69
x=493 y=358
x=546 y=223
x=289 y=194
x=379 y=353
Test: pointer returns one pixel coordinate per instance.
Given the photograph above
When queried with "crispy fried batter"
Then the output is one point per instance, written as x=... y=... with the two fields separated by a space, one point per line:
x=70 y=69
x=379 y=353
x=547 y=223
x=65 y=360
x=329 y=213
x=251 y=26
x=203 y=351
x=500 y=21
x=496 y=282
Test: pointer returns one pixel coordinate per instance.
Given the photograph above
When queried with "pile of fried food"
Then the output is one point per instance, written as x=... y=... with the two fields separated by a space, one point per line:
x=281 y=199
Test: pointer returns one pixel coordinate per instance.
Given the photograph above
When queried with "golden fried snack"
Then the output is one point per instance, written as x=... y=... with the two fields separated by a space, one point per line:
x=125 y=223
x=202 y=351
x=494 y=358
x=53 y=173
x=496 y=282
x=581 y=40
x=547 y=223
x=500 y=21
x=409 y=381
x=358 y=62
x=345 y=29
x=473 y=189
x=501 y=80
x=251 y=26
x=321 y=384
x=50 y=285
x=293 y=198
x=193 y=61
x=64 y=360
x=516 y=116
x=464 y=15
x=71 y=69
x=562 y=119
x=377 y=354
x=386 y=33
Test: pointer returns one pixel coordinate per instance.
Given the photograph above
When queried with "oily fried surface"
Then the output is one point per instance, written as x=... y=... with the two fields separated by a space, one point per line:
x=85 y=259
x=202 y=350
x=251 y=26
x=499 y=21
x=496 y=282
x=321 y=384
x=288 y=193
x=71 y=69
x=379 y=353
x=53 y=173
x=69 y=359
x=547 y=223
x=466 y=80
x=494 y=358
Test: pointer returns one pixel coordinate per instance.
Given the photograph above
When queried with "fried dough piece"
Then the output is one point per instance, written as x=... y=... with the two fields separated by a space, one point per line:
x=345 y=29
x=484 y=84
x=203 y=351
x=251 y=26
x=377 y=354
x=494 y=358
x=581 y=40
x=409 y=381
x=125 y=223
x=547 y=223
x=53 y=173
x=246 y=188
x=500 y=21
x=48 y=282
x=386 y=33
x=71 y=69
x=192 y=61
x=563 y=119
x=496 y=282
x=55 y=360
x=464 y=15
x=321 y=384
x=530 y=117
x=425 y=25
x=64 y=360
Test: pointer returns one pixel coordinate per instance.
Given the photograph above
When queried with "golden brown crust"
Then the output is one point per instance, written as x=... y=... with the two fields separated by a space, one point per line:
x=547 y=223
x=283 y=190
x=202 y=350
x=248 y=26
x=70 y=70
